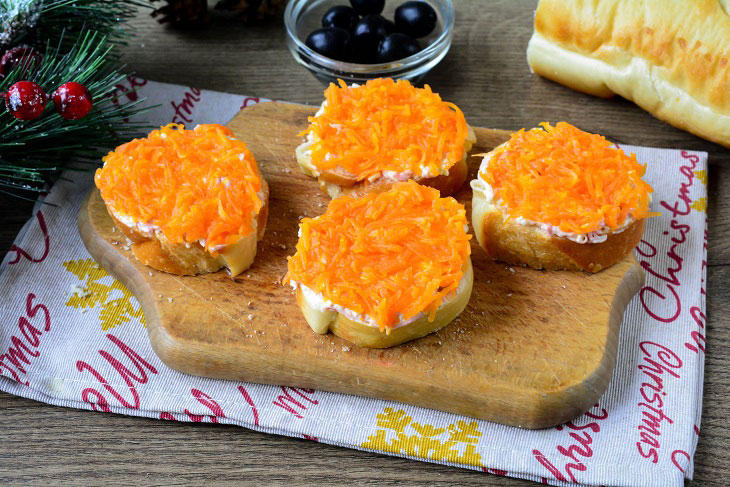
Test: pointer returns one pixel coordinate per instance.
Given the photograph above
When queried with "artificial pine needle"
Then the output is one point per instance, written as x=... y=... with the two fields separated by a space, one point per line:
x=76 y=39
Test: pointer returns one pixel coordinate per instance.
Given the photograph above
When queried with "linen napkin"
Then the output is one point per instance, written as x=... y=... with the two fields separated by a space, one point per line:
x=76 y=337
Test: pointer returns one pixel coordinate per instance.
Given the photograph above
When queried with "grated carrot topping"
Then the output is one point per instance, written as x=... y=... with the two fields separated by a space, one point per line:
x=386 y=125
x=388 y=255
x=568 y=178
x=199 y=184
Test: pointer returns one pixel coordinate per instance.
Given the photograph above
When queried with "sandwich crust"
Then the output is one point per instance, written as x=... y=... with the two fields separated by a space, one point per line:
x=371 y=337
x=188 y=259
x=513 y=243
x=670 y=57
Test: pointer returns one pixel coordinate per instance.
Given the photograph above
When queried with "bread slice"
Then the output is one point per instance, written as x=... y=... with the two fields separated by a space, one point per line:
x=339 y=182
x=518 y=242
x=323 y=319
x=151 y=247
x=369 y=261
x=191 y=201
x=670 y=57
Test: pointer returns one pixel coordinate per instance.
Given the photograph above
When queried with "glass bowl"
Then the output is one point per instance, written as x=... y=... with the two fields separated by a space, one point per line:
x=303 y=16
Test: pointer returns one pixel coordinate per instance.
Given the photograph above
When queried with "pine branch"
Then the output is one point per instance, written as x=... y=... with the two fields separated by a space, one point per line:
x=53 y=20
x=78 y=39
x=50 y=141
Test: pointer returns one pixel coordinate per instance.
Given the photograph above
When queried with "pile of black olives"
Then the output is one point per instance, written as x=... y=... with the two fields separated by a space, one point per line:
x=359 y=34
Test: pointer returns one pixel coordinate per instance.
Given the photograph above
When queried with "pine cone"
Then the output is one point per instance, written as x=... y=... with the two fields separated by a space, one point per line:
x=183 y=13
x=252 y=10
x=17 y=18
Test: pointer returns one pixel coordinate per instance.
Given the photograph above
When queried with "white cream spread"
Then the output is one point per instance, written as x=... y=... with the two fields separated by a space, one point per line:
x=480 y=186
x=147 y=229
x=318 y=301
x=151 y=230
x=406 y=175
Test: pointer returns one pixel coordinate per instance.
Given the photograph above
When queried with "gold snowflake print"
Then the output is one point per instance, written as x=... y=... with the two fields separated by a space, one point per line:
x=117 y=303
x=454 y=443
x=701 y=176
x=699 y=205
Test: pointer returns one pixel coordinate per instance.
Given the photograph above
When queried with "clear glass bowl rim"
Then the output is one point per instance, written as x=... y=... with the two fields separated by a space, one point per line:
x=442 y=42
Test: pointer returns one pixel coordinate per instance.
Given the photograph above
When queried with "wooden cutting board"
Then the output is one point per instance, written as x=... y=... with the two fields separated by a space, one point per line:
x=532 y=349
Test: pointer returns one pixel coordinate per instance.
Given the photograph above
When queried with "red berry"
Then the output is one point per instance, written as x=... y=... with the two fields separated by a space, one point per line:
x=20 y=55
x=25 y=100
x=72 y=100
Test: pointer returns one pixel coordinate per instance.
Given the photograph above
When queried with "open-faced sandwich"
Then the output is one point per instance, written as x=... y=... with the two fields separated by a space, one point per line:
x=365 y=138
x=559 y=198
x=191 y=201
x=383 y=268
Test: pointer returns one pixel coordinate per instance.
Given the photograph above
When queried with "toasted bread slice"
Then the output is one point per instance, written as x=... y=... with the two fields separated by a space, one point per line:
x=535 y=162
x=323 y=319
x=338 y=182
x=191 y=201
x=366 y=138
x=384 y=268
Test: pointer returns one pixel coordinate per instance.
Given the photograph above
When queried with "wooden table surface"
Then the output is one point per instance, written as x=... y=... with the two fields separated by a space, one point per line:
x=487 y=76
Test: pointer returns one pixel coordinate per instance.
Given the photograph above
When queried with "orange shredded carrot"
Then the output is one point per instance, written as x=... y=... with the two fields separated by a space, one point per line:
x=386 y=125
x=389 y=255
x=199 y=184
x=568 y=178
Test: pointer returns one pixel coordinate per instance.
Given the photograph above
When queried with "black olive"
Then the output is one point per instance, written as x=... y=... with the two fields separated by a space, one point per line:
x=340 y=16
x=331 y=42
x=397 y=46
x=367 y=7
x=366 y=36
x=416 y=19
x=389 y=26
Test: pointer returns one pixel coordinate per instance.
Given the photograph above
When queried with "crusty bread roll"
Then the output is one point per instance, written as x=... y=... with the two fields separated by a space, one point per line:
x=558 y=179
x=366 y=137
x=383 y=268
x=671 y=57
x=190 y=201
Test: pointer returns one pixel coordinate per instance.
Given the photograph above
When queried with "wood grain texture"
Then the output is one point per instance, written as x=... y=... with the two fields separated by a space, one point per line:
x=486 y=74
x=532 y=349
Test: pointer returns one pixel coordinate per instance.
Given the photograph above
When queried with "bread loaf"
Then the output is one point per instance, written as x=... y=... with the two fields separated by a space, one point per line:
x=671 y=57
